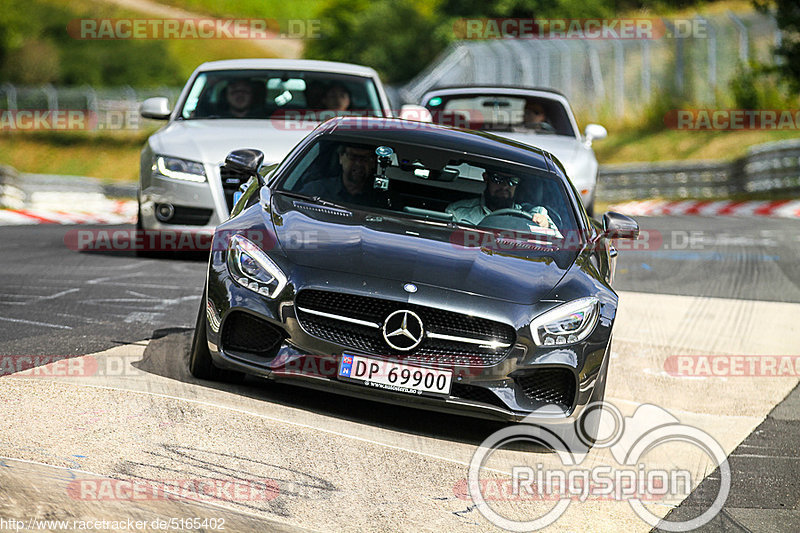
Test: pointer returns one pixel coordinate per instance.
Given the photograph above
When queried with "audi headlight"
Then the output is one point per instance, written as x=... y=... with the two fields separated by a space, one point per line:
x=566 y=324
x=251 y=268
x=180 y=169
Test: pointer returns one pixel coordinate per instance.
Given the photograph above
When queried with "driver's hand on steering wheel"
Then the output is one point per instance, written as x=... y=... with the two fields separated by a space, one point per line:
x=541 y=220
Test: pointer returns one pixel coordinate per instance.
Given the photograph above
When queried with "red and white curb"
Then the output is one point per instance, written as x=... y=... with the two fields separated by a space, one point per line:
x=708 y=208
x=102 y=212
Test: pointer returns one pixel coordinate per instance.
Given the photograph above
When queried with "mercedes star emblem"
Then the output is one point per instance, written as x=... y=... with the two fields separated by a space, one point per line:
x=403 y=330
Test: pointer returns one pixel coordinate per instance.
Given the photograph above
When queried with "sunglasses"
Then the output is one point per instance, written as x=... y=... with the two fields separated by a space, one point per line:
x=498 y=179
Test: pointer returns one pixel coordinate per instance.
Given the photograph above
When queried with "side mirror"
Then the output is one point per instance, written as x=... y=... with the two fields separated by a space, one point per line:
x=156 y=108
x=246 y=161
x=415 y=112
x=594 y=132
x=618 y=226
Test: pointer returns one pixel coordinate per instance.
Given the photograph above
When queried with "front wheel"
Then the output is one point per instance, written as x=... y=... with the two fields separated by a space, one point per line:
x=200 y=364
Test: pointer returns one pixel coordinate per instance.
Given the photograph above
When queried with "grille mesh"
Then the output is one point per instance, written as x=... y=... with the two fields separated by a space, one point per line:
x=246 y=333
x=376 y=310
x=549 y=386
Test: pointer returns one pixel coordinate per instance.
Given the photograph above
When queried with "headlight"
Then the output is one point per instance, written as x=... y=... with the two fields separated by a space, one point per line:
x=180 y=169
x=566 y=324
x=251 y=268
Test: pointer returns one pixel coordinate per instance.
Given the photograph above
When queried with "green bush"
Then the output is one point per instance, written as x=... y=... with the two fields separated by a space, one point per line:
x=35 y=48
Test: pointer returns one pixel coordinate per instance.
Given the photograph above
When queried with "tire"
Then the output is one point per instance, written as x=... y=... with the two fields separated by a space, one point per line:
x=589 y=428
x=153 y=254
x=139 y=229
x=201 y=365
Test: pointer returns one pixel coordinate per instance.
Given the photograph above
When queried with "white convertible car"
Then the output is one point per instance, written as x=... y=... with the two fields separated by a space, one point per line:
x=537 y=117
x=266 y=104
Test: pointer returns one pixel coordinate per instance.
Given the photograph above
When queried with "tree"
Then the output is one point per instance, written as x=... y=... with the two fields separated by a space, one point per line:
x=787 y=13
x=396 y=38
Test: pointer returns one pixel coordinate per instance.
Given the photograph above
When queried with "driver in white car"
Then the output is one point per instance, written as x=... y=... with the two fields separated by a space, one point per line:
x=499 y=193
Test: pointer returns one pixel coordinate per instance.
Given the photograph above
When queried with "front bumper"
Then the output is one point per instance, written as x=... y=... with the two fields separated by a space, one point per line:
x=500 y=391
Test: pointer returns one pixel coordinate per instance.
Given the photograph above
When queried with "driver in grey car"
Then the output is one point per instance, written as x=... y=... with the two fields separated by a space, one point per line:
x=501 y=188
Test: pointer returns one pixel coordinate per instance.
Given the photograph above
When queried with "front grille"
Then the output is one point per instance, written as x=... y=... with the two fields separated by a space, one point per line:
x=231 y=181
x=243 y=332
x=549 y=386
x=375 y=310
x=478 y=394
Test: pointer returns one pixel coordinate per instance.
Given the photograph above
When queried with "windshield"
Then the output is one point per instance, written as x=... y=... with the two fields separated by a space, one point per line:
x=263 y=94
x=432 y=183
x=501 y=113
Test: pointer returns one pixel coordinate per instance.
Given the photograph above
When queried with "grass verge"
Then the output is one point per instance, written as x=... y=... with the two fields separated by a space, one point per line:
x=111 y=157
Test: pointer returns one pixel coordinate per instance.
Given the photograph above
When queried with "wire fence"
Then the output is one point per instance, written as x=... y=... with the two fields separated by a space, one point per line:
x=110 y=108
x=694 y=58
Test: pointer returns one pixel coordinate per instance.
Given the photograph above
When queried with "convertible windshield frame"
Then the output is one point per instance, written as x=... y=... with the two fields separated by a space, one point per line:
x=561 y=117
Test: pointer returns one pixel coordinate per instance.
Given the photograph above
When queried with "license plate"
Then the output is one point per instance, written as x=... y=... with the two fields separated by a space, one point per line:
x=397 y=377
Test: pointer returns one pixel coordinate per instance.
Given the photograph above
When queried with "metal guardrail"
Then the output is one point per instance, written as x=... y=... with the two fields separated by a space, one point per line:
x=770 y=167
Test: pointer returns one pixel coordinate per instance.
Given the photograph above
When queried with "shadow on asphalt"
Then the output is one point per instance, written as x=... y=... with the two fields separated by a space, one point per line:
x=167 y=355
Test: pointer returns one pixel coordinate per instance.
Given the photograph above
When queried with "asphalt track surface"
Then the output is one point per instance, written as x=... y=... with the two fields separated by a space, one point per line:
x=700 y=286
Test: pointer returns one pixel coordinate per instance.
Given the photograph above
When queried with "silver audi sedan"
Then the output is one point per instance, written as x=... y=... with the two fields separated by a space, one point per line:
x=266 y=104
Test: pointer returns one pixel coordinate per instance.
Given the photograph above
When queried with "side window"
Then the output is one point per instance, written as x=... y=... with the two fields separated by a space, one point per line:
x=302 y=172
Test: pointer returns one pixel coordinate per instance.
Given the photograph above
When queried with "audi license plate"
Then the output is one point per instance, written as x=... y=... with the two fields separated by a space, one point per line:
x=397 y=377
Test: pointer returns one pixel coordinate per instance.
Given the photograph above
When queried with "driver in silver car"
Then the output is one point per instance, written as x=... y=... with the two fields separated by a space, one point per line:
x=499 y=193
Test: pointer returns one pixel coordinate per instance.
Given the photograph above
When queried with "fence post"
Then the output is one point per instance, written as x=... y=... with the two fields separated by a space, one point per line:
x=744 y=39
x=544 y=67
x=566 y=67
x=597 y=73
x=11 y=96
x=646 y=73
x=619 y=75
x=52 y=97
x=712 y=57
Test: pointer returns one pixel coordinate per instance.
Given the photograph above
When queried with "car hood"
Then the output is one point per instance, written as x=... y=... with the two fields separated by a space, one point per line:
x=421 y=253
x=210 y=141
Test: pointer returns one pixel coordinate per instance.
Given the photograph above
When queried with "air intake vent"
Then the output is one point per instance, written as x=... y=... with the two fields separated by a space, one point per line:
x=549 y=386
x=245 y=333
